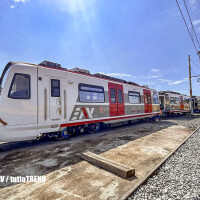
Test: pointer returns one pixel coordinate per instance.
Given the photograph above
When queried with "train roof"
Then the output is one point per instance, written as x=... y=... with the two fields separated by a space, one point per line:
x=165 y=92
x=171 y=92
x=53 y=65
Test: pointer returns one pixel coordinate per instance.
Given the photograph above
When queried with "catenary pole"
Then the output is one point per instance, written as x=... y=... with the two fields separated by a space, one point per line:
x=190 y=77
x=190 y=81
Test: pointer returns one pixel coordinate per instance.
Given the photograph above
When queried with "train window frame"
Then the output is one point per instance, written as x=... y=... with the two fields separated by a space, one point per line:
x=11 y=85
x=155 y=94
x=186 y=101
x=177 y=100
x=170 y=100
x=135 y=96
x=149 y=99
x=120 y=96
x=100 y=88
x=52 y=88
x=113 y=97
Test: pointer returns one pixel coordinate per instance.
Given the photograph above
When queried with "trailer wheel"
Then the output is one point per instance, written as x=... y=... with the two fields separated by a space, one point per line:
x=93 y=128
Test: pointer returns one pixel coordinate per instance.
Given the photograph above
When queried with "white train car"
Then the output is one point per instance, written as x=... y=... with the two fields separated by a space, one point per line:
x=46 y=99
x=174 y=102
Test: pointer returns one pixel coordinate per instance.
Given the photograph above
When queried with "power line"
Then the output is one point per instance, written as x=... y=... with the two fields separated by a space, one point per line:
x=194 y=60
x=191 y=23
x=186 y=26
x=195 y=64
x=195 y=76
x=193 y=72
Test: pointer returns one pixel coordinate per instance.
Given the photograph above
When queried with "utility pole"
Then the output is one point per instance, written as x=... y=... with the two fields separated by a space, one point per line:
x=190 y=77
x=190 y=81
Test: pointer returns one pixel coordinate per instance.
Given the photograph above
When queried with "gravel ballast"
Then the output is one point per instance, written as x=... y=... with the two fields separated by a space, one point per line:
x=179 y=177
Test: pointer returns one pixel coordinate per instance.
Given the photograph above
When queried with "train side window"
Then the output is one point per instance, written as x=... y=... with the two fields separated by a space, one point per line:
x=155 y=97
x=112 y=95
x=91 y=93
x=177 y=100
x=55 y=88
x=120 y=97
x=20 y=87
x=149 y=98
x=134 y=97
x=186 y=101
x=145 y=98
x=172 y=100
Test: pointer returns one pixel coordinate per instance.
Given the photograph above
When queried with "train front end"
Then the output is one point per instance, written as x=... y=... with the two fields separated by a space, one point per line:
x=18 y=108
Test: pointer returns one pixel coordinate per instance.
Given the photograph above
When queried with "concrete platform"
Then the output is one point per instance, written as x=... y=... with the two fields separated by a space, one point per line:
x=85 y=181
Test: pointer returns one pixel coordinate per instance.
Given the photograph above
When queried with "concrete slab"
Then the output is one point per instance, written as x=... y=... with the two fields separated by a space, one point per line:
x=85 y=181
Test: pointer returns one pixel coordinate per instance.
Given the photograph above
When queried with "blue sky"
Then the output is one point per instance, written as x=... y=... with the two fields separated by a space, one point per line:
x=141 y=41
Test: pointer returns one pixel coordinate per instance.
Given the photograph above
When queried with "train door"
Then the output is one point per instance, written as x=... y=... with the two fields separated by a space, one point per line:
x=162 y=102
x=51 y=97
x=116 y=99
x=147 y=101
x=181 y=103
x=55 y=102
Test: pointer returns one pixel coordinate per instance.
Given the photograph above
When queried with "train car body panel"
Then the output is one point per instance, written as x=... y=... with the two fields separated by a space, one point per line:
x=39 y=99
x=173 y=102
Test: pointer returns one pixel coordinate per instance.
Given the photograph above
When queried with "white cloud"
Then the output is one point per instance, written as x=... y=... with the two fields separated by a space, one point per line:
x=154 y=70
x=170 y=82
x=155 y=76
x=196 y=22
x=178 y=82
x=147 y=77
x=116 y=74
x=194 y=3
x=12 y=6
x=129 y=75
x=22 y=1
x=147 y=83
x=164 y=80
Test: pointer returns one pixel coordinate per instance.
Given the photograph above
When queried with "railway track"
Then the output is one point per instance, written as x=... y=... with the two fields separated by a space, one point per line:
x=166 y=180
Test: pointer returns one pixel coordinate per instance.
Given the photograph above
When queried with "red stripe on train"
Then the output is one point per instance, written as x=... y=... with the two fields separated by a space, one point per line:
x=103 y=120
x=85 y=113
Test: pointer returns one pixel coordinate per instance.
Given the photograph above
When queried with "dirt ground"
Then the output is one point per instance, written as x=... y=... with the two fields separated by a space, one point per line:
x=141 y=146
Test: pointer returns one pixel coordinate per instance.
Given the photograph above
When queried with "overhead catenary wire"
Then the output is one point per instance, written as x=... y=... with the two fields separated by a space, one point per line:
x=191 y=23
x=186 y=25
x=193 y=72
x=194 y=60
x=195 y=64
